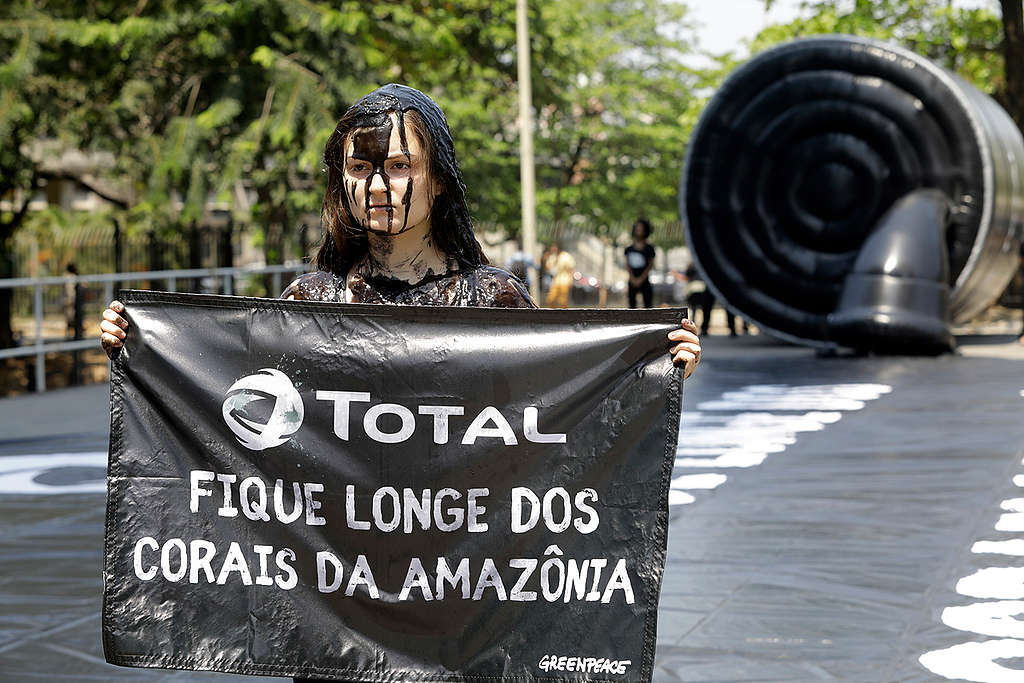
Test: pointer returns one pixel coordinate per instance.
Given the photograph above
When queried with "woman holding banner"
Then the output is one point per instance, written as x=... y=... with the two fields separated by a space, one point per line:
x=397 y=228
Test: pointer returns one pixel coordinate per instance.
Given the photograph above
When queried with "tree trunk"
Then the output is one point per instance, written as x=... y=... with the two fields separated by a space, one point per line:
x=6 y=271
x=273 y=248
x=195 y=254
x=155 y=257
x=225 y=250
x=1013 y=53
x=118 y=247
x=567 y=177
x=7 y=229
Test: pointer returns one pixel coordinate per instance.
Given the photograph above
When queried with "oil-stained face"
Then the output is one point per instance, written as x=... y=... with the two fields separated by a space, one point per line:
x=387 y=182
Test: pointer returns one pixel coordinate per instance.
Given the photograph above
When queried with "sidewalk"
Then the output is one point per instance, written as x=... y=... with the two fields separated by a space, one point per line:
x=85 y=410
x=72 y=412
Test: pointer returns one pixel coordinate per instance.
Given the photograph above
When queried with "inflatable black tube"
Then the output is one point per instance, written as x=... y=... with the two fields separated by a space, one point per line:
x=804 y=148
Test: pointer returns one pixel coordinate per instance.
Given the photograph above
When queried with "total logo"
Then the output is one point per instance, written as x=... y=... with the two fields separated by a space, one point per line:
x=285 y=419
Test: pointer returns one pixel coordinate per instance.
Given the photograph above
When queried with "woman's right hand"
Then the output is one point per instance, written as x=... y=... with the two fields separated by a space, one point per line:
x=113 y=328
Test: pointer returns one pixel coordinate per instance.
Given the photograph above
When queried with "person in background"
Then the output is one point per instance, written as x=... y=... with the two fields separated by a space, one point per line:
x=520 y=264
x=639 y=261
x=698 y=296
x=549 y=264
x=730 y=320
x=561 y=283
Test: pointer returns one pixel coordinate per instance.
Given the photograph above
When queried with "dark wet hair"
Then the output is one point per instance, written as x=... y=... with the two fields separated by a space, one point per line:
x=344 y=243
x=645 y=224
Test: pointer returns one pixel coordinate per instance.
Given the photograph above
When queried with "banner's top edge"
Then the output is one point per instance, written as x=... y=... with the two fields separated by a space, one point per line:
x=667 y=315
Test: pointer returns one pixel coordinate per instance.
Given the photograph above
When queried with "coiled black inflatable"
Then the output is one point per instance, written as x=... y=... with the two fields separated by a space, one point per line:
x=805 y=147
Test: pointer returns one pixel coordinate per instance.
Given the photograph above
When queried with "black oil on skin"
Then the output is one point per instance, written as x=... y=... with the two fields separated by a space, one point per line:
x=371 y=145
x=451 y=228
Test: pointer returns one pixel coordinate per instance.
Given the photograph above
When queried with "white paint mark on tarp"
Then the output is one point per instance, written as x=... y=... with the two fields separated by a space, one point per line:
x=736 y=457
x=774 y=397
x=999 y=583
x=726 y=439
x=1012 y=547
x=1000 y=619
x=698 y=481
x=676 y=497
x=19 y=474
x=976 y=661
x=1011 y=521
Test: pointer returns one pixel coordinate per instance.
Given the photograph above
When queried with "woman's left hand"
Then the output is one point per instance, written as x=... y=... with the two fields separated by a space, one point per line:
x=687 y=350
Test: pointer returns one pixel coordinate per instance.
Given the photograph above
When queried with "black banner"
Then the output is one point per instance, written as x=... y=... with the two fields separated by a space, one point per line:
x=388 y=493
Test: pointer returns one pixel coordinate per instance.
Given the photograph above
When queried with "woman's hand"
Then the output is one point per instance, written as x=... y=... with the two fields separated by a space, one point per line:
x=687 y=350
x=113 y=329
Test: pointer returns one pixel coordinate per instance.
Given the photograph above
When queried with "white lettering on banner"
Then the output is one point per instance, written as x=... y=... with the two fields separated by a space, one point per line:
x=489 y=423
x=195 y=490
x=373 y=430
x=559 y=580
x=1001 y=617
x=252 y=496
x=531 y=432
x=416 y=577
x=175 y=560
x=489 y=578
x=342 y=400
x=144 y=574
x=227 y=509
x=234 y=562
x=202 y=552
x=426 y=508
x=253 y=509
x=501 y=429
x=441 y=414
x=328 y=564
x=556 y=508
x=460 y=577
x=718 y=436
x=391 y=509
x=588 y=665
x=527 y=565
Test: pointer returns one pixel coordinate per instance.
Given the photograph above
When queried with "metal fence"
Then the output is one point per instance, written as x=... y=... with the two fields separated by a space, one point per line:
x=208 y=280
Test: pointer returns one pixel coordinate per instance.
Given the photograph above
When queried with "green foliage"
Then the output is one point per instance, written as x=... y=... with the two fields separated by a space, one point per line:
x=966 y=40
x=199 y=97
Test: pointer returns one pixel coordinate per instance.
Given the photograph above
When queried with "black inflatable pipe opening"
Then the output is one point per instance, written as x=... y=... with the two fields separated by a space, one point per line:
x=803 y=150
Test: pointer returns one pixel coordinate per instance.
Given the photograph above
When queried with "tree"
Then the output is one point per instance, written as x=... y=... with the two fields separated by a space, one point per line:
x=194 y=97
x=1012 y=92
x=984 y=48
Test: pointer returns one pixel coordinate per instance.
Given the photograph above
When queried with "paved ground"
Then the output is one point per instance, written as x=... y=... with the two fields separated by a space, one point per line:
x=832 y=518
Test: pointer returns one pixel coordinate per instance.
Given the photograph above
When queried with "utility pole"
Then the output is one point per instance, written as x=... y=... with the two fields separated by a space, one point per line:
x=526 y=174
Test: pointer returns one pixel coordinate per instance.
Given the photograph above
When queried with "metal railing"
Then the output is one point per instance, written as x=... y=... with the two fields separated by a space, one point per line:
x=225 y=277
